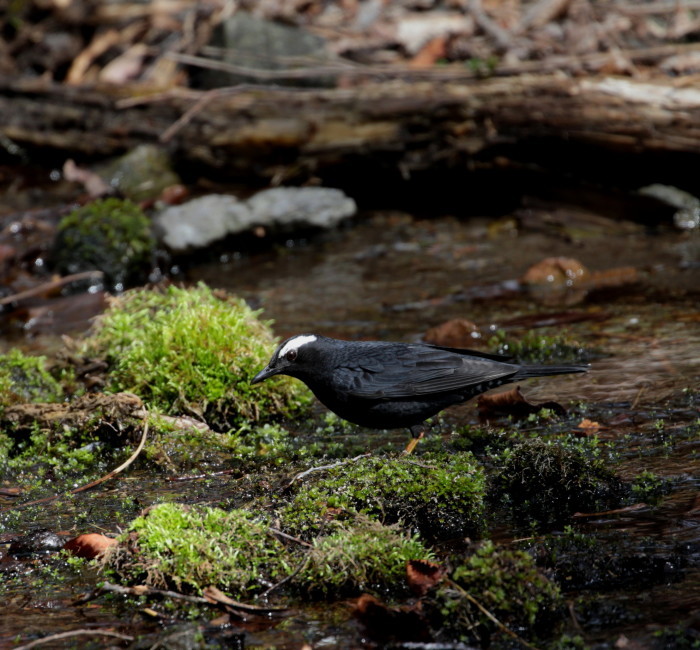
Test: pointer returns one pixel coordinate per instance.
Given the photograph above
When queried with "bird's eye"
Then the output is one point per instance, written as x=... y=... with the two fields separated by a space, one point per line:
x=291 y=355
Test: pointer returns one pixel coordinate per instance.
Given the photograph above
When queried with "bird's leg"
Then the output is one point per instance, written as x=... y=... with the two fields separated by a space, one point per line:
x=417 y=432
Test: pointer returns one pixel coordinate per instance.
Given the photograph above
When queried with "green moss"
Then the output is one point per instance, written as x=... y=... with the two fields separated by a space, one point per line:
x=193 y=351
x=191 y=547
x=549 y=480
x=179 y=448
x=648 y=486
x=24 y=379
x=506 y=583
x=365 y=556
x=39 y=459
x=110 y=235
x=535 y=347
x=442 y=496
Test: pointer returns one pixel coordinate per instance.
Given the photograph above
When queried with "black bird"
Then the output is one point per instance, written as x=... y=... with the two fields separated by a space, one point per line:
x=393 y=385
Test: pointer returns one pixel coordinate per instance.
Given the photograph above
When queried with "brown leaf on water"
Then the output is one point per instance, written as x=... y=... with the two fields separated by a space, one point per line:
x=422 y=576
x=405 y=623
x=513 y=402
x=587 y=427
x=454 y=333
x=89 y=545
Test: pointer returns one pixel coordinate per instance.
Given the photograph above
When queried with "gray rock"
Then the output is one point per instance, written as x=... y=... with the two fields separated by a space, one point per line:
x=286 y=208
x=251 y=42
x=141 y=174
x=687 y=216
x=211 y=218
x=201 y=221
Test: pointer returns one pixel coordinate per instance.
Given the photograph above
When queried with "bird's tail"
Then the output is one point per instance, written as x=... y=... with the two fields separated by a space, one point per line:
x=526 y=372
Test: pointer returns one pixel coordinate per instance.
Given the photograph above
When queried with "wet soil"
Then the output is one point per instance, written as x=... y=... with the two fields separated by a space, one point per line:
x=393 y=276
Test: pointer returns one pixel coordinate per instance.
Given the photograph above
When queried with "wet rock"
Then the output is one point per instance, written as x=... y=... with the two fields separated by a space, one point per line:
x=455 y=333
x=557 y=280
x=202 y=221
x=43 y=541
x=264 y=45
x=205 y=220
x=109 y=235
x=141 y=174
x=287 y=208
x=687 y=217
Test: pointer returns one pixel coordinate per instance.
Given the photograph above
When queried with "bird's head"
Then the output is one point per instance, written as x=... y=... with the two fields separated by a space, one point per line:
x=289 y=358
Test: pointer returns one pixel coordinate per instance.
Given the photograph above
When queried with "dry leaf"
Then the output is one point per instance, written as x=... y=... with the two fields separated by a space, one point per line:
x=454 y=333
x=513 y=402
x=588 y=426
x=89 y=545
x=422 y=576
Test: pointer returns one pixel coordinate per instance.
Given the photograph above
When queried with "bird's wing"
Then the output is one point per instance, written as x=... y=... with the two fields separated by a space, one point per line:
x=422 y=370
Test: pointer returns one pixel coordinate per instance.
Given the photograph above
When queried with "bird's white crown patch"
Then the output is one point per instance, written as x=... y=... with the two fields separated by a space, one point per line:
x=296 y=342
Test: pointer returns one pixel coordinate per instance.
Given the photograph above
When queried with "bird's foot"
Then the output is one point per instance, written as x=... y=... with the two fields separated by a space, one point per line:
x=417 y=436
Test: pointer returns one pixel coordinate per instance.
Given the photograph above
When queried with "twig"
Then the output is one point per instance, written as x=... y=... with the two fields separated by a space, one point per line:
x=638 y=397
x=199 y=477
x=490 y=616
x=71 y=633
x=322 y=468
x=92 y=484
x=216 y=596
x=294 y=574
x=291 y=538
x=502 y=37
x=143 y=590
x=51 y=286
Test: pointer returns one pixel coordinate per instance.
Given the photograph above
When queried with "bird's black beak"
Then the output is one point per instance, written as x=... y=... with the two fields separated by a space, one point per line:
x=264 y=374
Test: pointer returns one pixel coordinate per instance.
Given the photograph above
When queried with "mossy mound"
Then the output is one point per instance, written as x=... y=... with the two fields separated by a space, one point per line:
x=440 y=496
x=109 y=235
x=25 y=379
x=191 y=547
x=364 y=557
x=506 y=583
x=192 y=351
x=549 y=480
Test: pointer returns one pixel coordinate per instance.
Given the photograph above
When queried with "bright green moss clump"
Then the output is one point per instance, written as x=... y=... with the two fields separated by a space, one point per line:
x=111 y=235
x=25 y=379
x=191 y=547
x=441 y=496
x=192 y=351
x=366 y=556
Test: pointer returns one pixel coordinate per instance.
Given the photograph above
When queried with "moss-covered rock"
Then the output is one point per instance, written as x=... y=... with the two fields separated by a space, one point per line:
x=549 y=480
x=440 y=496
x=504 y=582
x=192 y=351
x=191 y=547
x=142 y=173
x=363 y=557
x=110 y=235
x=25 y=378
